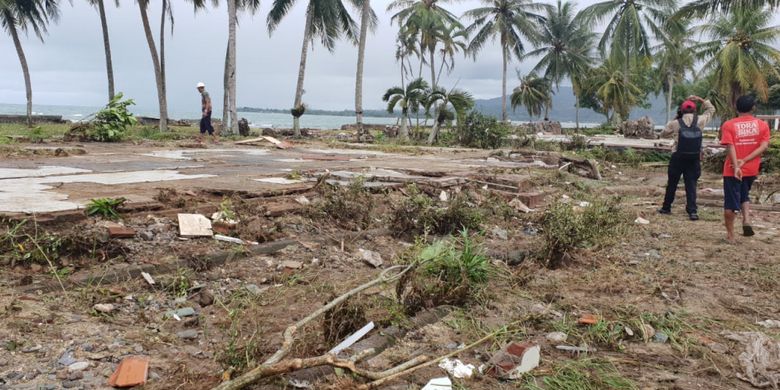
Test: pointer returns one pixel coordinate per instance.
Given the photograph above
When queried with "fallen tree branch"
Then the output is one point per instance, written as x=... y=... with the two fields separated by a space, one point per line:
x=274 y=365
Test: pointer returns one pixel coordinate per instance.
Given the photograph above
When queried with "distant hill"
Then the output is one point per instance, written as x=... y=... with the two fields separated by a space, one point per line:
x=562 y=110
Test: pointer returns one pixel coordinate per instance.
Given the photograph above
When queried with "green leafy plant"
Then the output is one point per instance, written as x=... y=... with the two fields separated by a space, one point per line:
x=481 y=131
x=226 y=208
x=111 y=123
x=419 y=214
x=105 y=207
x=567 y=228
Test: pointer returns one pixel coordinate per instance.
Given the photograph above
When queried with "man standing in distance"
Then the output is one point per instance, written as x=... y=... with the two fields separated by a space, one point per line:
x=205 y=120
x=686 y=154
x=746 y=138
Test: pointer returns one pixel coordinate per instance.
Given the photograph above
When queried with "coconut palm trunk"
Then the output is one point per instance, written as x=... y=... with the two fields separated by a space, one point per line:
x=233 y=21
x=142 y=5
x=365 y=15
x=298 y=106
x=503 y=84
x=433 y=68
x=403 y=133
x=162 y=59
x=106 y=48
x=226 y=91
x=434 y=131
x=25 y=69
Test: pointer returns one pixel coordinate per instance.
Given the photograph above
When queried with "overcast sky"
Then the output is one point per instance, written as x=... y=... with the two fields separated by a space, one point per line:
x=69 y=69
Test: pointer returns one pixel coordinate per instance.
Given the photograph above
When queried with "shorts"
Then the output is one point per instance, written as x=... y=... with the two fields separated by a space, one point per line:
x=205 y=124
x=736 y=192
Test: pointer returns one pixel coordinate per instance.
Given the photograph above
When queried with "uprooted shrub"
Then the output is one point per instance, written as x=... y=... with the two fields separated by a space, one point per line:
x=567 y=228
x=110 y=123
x=448 y=273
x=343 y=320
x=350 y=206
x=418 y=214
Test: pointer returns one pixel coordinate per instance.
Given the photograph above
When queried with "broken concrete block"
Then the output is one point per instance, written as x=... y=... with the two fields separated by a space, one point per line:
x=531 y=199
x=443 y=383
x=121 y=232
x=292 y=264
x=103 y=307
x=303 y=200
x=556 y=337
x=78 y=366
x=194 y=225
x=641 y=221
x=132 y=371
x=457 y=369
x=370 y=257
x=518 y=205
x=514 y=360
x=181 y=313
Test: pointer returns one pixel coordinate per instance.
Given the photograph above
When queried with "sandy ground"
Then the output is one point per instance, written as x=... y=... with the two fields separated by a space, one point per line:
x=677 y=275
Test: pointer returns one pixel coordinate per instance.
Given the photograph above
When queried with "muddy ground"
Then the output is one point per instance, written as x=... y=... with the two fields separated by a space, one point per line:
x=679 y=277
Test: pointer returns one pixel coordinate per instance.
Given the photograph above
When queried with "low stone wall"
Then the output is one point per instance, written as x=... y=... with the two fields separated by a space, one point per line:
x=21 y=119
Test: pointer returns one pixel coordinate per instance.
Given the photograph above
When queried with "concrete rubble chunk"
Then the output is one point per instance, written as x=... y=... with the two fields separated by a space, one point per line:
x=514 y=360
x=189 y=334
x=443 y=383
x=641 y=221
x=255 y=290
x=181 y=313
x=132 y=371
x=194 y=225
x=457 y=368
x=769 y=323
x=556 y=337
x=148 y=278
x=103 y=307
x=303 y=200
x=370 y=257
x=500 y=233
x=78 y=366
x=292 y=264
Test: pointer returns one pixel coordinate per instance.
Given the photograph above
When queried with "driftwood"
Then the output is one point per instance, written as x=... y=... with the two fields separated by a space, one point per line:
x=581 y=166
x=274 y=365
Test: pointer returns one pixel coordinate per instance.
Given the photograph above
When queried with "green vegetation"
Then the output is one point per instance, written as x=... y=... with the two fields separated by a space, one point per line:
x=419 y=214
x=567 y=228
x=582 y=374
x=448 y=273
x=112 y=122
x=351 y=206
x=105 y=207
x=480 y=131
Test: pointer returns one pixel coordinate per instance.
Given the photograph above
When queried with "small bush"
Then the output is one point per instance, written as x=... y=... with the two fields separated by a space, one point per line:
x=419 y=214
x=111 y=123
x=567 y=229
x=448 y=273
x=105 y=207
x=480 y=131
x=350 y=206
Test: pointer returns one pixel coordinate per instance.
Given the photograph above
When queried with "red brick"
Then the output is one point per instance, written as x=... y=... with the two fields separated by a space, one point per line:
x=532 y=199
x=121 y=232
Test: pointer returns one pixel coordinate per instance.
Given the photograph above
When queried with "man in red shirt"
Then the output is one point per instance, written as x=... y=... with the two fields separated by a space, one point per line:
x=746 y=139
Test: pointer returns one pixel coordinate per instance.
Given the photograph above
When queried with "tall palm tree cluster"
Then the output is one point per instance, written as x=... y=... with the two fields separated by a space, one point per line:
x=646 y=46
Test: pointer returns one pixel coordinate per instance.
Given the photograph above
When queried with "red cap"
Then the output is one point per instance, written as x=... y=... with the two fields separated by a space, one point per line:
x=688 y=106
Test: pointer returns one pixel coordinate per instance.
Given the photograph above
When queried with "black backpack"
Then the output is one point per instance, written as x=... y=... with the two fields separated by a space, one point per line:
x=690 y=138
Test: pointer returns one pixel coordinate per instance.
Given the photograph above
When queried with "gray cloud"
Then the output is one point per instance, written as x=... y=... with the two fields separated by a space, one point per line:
x=69 y=68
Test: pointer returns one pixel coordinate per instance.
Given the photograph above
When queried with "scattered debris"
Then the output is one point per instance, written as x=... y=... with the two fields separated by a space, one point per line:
x=556 y=337
x=132 y=371
x=588 y=319
x=352 y=339
x=103 y=307
x=370 y=257
x=500 y=233
x=514 y=360
x=255 y=290
x=761 y=359
x=189 y=334
x=660 y=337
x=457 y=369
x=148 y=278
x=291 y=264
x=302 y=200
x=444 y=196
x=443 y=383
x=574 y=349
x=180 y=313
x=641 y=221
x=234 y=240
x=194 y=225
x=78 y=366
x=121 y=232
x=769 y=323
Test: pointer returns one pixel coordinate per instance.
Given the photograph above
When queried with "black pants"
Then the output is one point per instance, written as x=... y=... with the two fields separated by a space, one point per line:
x=690 y=169
x=205 y=124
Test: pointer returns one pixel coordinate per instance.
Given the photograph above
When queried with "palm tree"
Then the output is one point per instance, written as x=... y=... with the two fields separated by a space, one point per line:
x=566 y=46
x=326 y=19
x=674 y=57
x=27 y=15
x=741 y=52
x=627 y=33
x=453 y=40
x=408 y=99
x=367 y=20
x=425 y=20
x=701 y=8
x=440 y=99
x=106 y=44
x=509 y=20
x=534 y=93
x=158 y=61
x=617 y=92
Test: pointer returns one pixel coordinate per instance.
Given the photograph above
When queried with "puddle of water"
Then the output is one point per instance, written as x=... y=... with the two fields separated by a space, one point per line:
x=186 y=154
x=278 y=180
x=33 y=195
